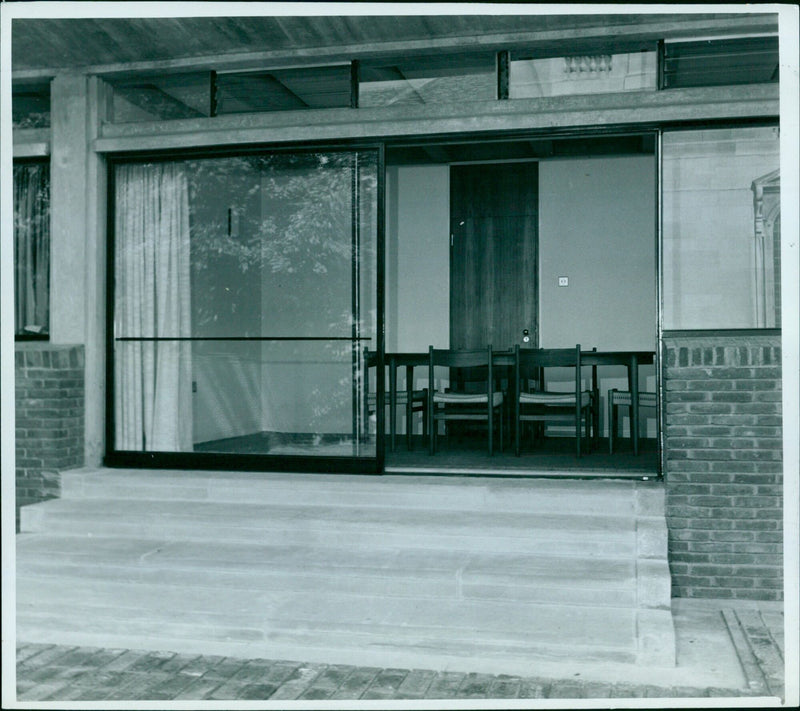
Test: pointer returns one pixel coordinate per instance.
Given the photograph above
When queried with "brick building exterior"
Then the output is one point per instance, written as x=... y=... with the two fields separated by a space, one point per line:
x=49 y=428
x=720 y=389
x=724 y=469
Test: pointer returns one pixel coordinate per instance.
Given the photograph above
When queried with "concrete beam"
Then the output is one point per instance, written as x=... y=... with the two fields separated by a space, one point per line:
x=647 y=107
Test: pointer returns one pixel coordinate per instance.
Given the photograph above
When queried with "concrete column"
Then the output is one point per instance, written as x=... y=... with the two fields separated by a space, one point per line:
x=68 y=190
x=95 y=279
x=78 y=234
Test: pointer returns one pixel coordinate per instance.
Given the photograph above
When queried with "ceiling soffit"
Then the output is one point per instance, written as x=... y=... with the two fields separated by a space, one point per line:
x=43 y=47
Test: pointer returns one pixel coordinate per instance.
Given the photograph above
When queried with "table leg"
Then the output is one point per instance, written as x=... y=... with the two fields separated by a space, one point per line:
x=409 y=404
x=392 y=401
x=635 y=404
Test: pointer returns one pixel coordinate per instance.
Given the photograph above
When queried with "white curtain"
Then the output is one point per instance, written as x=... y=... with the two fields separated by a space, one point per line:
x=153 y=379
x=32 y=247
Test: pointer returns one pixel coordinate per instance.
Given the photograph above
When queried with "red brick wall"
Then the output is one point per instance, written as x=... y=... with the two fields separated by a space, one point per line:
x=50 y=407
x=723 y=468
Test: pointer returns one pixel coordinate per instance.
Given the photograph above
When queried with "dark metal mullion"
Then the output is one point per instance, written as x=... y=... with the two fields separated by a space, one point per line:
x=110 y=444
x=354 y=79
x=213 y=97
x=658 y=364
x=503 y=65
x=380 y=438
x=355 y=300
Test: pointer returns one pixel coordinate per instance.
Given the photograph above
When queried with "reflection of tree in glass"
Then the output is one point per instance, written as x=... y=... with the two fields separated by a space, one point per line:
x=32 y=247
x=272 y=254
x=293 y=239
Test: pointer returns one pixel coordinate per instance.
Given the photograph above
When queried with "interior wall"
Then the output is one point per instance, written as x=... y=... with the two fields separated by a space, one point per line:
x=597 y=228
x=417 y=257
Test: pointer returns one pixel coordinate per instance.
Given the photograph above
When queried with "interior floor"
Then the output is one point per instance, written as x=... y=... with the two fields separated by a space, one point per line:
x=550 y=456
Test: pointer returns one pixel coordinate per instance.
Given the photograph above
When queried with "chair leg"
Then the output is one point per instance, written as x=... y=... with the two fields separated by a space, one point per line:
x=502 y=417
x=425 y=432
x=517 y=429
x=490 y=425
x=432 y=424
x=612 y=426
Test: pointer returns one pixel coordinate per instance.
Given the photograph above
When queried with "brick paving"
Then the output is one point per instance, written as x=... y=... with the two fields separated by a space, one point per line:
x=62 y=673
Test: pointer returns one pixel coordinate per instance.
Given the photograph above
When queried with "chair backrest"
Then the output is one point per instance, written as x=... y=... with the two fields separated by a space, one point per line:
x=529 y=362
x=475 y=358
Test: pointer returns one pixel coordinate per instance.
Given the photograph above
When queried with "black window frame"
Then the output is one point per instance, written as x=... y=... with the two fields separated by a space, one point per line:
x=227 y=461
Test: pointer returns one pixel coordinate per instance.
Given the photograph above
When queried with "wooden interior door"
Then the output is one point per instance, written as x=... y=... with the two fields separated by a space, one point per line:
x=494 y=273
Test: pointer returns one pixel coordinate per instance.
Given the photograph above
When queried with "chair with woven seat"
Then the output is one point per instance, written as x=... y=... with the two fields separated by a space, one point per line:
x=486 y=404
x=572 y=407
x=623 y=398
x=413 y=401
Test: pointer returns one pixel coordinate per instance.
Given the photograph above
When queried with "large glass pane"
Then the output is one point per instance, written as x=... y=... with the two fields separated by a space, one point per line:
x=30 y=106
x=257 y=276
x=721 y=228
x=531 y=78
x=284 y=90
x=740 y=60
x=428 y=80
x=162 y=96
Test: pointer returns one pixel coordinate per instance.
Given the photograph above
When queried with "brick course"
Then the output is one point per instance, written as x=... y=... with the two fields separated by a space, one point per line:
x=49 y=428
x=723 y=466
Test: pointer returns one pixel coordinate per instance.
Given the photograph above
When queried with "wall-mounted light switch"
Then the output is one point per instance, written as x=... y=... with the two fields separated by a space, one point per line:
x=563 y=281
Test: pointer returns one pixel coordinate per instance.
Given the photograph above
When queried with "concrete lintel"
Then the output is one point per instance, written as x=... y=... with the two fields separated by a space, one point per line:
x=31 y=142
x=375 y=124
x=32 y=150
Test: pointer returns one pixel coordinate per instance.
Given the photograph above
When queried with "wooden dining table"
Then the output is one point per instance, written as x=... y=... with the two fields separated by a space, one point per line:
x=631 y=360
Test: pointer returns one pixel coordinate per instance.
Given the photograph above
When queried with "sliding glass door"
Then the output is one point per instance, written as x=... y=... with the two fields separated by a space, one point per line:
x=245 y=296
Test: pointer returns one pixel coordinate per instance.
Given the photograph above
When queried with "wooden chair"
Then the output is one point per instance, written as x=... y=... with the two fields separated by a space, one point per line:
x=443 y=406
x=416 y=401
x=572 y=407
x=623 y=398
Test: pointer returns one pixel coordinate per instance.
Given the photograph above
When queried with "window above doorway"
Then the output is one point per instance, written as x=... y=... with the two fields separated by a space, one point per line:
x=30 y=105
x=741 y=60
x=430 y=79
x=601 y=71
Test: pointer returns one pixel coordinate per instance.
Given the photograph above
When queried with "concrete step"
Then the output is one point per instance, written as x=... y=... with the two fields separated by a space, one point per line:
x=560 y=534
x=355 y=569
x=388 y=646
x=412 y=572
x=329 y=620
x=600 y=497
